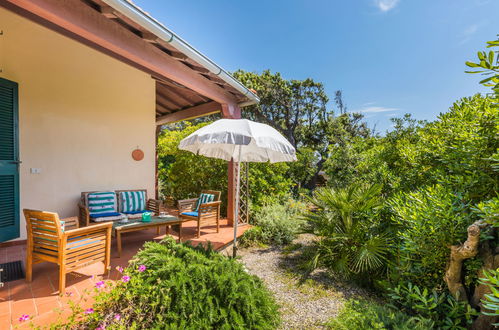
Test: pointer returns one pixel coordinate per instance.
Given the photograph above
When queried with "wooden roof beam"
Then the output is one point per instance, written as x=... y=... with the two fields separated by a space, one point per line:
x=168 y=102
x=196 y=67
x=162 y=109
x=108 y=12
x=77 y=20
x=190 y=113
x=173 y=94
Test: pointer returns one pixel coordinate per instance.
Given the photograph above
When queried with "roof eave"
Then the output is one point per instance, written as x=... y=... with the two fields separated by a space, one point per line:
x=142 y=18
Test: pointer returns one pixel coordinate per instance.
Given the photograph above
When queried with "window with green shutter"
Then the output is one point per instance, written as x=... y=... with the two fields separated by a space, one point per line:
x=9 y=161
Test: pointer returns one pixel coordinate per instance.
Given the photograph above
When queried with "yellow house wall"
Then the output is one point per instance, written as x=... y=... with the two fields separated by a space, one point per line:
x=81 y=113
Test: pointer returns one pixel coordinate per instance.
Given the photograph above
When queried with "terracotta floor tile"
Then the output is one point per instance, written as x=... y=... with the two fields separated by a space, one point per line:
x=44 y=291
x=4 y=307
x=5 y=321
x=23 y=307
x=20 y=292
x=71 y=294
x=4 y=292
x=47 y=304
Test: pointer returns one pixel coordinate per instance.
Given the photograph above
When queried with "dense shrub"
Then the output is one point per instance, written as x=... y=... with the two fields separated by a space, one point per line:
x=491 y=300
x=442 y=308
x=430 y=221
x=185 y=288
x=364 y=315
x=275 y=223
x=354 y=240
x=457 y=149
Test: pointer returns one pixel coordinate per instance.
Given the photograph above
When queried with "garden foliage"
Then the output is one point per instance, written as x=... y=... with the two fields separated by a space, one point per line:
x=393 y=205
x=354 y=240
x=491 y=300
x=429 y=221
x=275 y=223
x=367 y=315
x=176 y=286
x=440 y=307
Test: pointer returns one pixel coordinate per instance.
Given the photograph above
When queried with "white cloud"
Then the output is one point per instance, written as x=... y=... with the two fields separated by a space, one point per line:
x=375 y=109
x=386 y=5
x=468 y=33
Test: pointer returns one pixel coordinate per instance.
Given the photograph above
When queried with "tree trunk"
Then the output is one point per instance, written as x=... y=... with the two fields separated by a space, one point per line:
x=490 y=261
x=459 y=253
x=312 y=183
x=453 y=276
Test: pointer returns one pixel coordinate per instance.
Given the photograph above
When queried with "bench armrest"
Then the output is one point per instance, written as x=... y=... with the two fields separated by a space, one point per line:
x=154 y=205
x=83 y=215
x=186 y=205
x=71 y=223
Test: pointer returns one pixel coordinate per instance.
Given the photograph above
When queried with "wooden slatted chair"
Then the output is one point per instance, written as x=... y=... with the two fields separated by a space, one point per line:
x=69 y=247
x=207 y=212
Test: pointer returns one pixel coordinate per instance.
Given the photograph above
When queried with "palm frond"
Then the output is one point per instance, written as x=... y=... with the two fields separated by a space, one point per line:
x=372 y=255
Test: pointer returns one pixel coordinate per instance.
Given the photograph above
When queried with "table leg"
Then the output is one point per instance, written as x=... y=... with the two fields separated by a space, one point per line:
x=167 y=229
x=157 y=230
x=180 y=232
x=118 y=241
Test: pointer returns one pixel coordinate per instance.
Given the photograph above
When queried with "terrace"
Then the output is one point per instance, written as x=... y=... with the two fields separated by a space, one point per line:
x=40 y=299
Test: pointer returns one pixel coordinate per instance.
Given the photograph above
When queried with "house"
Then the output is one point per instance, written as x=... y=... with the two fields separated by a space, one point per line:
x=83 y=83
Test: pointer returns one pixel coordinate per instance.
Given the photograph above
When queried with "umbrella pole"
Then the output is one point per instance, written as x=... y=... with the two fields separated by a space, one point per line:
x=236 y=211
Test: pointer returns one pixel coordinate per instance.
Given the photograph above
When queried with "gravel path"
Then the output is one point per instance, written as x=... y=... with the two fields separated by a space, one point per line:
x=305 y=303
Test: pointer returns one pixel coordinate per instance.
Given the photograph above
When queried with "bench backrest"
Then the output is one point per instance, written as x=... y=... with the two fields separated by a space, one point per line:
x=120 y=199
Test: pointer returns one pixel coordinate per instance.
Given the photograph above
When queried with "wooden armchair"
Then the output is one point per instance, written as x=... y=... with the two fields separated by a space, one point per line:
x=71 y=249
x=207 y=212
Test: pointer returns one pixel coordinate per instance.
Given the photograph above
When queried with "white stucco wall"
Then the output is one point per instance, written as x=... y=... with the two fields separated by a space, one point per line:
x=81 y=115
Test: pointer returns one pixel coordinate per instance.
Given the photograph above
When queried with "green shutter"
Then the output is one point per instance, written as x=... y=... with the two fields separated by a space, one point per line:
x=9 y=157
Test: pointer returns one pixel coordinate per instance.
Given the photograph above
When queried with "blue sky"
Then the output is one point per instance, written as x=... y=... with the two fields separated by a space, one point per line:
x=388 y=57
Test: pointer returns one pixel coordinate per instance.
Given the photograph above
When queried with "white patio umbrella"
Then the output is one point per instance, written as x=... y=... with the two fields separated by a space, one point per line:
x=240 y=140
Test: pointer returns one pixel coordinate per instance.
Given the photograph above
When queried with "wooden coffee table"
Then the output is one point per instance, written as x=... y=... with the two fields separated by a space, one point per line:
x=136 y=225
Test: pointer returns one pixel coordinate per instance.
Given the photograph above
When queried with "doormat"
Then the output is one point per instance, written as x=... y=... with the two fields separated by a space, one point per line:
x=11 y=271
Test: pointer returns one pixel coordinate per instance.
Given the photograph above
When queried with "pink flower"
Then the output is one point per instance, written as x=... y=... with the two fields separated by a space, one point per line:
x=125 y=278
x=119 y=268
x=89 y=311
x=69 y=293
x=24 y=317
x=117 y=317
x=101 y=327
x=142 y=268
x=100 y=285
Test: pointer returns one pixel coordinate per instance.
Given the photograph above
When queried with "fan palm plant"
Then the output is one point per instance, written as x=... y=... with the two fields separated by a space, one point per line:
x=353 y=240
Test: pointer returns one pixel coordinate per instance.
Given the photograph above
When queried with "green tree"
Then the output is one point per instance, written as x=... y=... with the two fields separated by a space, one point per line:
x=299 y=110
x=489 y=62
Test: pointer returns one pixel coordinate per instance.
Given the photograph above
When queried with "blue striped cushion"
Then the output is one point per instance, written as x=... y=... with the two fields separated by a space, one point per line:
x=192 y=214
x=132 y=201
x=101 y=202
x=204 y=198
